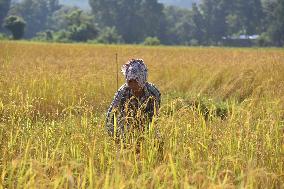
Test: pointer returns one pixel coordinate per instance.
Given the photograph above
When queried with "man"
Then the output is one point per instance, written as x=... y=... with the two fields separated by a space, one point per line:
x=135 y=103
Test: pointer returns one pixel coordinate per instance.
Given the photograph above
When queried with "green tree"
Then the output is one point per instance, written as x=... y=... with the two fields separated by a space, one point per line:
x=198 y=32
x=16 y=25
x=154 y=22
x=151 y=41
x=82 y=32
x=214 y=13
x=61 y=18
x=249 y=15
x=4 y=8
x=73 y=24
x=129 y=22
x=109 y=35
x=105 y=11
x=133 y=19
x=36 y=14
x=175 y=26
x=44 y=36
x=184 y=29
x=274 y=22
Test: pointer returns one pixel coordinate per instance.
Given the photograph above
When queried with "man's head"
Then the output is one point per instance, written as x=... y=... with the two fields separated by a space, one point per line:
x=136 y=73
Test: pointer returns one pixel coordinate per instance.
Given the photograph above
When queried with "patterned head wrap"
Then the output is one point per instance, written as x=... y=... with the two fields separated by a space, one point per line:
x=135 y=69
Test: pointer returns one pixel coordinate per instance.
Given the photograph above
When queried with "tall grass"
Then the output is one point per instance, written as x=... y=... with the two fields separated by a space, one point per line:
x=221 y=119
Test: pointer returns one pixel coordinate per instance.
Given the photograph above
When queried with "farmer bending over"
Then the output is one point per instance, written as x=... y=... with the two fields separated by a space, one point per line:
x=135 y=103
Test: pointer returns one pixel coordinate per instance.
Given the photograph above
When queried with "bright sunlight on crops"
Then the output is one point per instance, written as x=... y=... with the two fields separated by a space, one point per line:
x=221 y=118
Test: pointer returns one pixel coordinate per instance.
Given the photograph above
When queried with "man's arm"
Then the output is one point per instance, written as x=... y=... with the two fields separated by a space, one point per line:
x=112 y=109
x=157 y=96
x=155 y=100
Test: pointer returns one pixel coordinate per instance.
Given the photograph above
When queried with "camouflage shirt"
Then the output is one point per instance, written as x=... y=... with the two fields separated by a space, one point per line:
x=132 y=112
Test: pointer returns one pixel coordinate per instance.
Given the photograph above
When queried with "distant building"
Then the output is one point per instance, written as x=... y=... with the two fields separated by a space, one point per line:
x=240 y=40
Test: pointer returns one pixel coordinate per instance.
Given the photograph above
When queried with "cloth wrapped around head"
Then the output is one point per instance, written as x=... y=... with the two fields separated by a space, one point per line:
x=135 y=69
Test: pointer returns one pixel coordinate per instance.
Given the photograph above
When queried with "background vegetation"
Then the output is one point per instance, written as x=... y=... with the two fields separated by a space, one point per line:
x=205 y=22
x=222 y=125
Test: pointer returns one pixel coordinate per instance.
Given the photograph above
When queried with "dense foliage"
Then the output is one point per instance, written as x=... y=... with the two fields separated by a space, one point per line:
x=16 y=25
x=4 y=8
x=210 y=22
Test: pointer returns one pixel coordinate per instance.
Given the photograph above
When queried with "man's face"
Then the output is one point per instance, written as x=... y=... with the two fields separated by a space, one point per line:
x=133 y=84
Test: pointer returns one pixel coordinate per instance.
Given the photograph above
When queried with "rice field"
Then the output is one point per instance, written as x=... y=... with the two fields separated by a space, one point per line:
x=221 y=117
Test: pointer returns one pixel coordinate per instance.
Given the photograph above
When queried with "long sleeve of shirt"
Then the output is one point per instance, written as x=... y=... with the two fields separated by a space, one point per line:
x=114 y=106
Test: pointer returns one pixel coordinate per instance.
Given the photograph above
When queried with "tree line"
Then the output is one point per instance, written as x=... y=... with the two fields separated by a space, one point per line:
x=210 y=22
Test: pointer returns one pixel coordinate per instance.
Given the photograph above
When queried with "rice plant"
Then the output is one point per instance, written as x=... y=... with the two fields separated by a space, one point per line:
x=221 y=121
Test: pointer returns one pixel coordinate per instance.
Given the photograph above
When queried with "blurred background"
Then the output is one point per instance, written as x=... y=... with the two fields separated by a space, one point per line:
x=149 y=22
